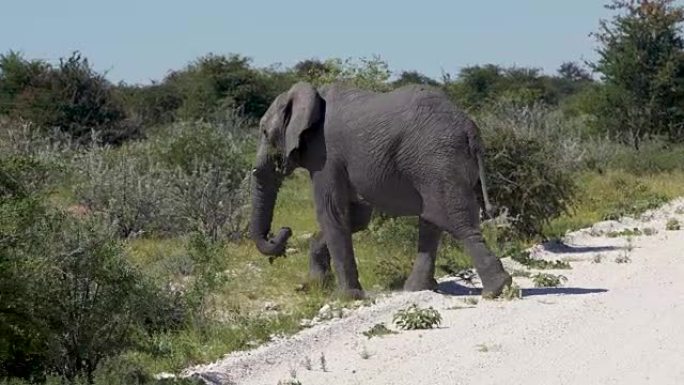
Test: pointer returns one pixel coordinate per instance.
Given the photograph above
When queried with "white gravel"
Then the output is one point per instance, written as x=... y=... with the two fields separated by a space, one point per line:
x=610 y=323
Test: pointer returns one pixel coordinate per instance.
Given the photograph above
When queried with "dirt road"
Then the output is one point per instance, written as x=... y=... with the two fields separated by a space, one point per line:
x=610 y=323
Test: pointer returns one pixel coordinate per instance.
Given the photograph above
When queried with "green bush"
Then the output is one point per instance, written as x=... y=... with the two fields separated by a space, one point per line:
x=185 y=178
x=128 y=186
x=71 y=98
x=70 y=296
x=413 y=317
x=528 y=171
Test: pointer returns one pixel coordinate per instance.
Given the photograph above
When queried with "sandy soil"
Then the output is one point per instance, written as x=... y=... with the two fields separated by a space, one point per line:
x=610 y=323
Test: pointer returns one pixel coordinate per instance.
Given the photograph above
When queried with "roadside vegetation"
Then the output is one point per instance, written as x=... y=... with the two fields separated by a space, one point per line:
x=123 y=249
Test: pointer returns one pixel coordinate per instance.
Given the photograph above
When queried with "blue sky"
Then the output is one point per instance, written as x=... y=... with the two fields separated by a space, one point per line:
x=140 y=40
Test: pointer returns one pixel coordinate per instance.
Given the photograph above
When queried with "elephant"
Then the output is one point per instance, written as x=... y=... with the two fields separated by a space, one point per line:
x=406 y=152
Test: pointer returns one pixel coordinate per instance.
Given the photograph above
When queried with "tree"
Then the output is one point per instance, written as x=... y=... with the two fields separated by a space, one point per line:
x=641 y=61
x=572 y=72
x=216 y=82
x=413 y=77
x=71 y=97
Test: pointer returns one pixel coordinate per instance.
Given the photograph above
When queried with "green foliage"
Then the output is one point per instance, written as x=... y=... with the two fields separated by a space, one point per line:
x=653 y=157
x=206 y=261
x=511 y=292
x=128 y=186
x=524 y=258
x=635 y=197
x=378 y=330
x=72 y=296
x=641 y=60
x=672 y=225
x=215 y=82
x=413 y=77
x=478 y=86
x=548 y=280
x=189 y=176
x=151 y=105
x=525 y=171
x=413 y=318
x=624 y=233
x=72 y=98
x=368 y=73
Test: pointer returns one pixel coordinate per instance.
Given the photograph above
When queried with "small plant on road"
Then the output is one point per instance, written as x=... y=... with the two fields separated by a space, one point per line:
x=524 y=258
x=324 y=363
x=306 y=363
x=291 y=381
x=484 y=348
x=673 y=225
x=625 y=233
x=624 y=258
x=521 y=273
x=414 y=317
x=378 y=330
x=598 y=258
x=548 y=280
x=512 y=292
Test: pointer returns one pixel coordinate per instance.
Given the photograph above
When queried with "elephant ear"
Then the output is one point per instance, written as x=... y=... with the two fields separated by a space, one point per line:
x=304 y=110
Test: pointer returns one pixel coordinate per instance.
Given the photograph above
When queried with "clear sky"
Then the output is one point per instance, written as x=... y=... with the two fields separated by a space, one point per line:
x=141 y=40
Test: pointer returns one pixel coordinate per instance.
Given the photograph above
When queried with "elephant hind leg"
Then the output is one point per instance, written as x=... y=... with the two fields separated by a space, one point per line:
x=456 y=211
x=319 y=255
x=423 y=274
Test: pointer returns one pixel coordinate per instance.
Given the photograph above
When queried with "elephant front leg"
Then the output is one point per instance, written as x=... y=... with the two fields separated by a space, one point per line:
x=423 y=275
x=332 y=211
x=319 y=255
x=319 y=260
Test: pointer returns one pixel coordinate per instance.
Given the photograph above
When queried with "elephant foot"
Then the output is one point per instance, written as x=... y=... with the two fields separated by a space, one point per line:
x=320 y=278
x=494 y=286
x=352 y=294
x=420 y=284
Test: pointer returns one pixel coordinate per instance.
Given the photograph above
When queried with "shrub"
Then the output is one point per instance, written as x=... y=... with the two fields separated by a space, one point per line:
x=209 y=180
x=378 y=330
x=527 y=172
x=128 y=186
x=72 y=98
x=72 y=296
x=186 y=178
x=414 y=317
x=366 y=73
x=548 y=280
x=672 y=225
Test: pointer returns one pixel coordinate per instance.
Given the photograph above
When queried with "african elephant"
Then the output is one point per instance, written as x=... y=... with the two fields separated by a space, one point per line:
x=408 y=152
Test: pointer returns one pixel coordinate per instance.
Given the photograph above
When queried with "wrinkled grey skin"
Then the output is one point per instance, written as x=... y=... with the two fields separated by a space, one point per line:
x=408 y=152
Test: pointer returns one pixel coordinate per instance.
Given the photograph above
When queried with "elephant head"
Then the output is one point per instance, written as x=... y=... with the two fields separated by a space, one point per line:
x=287 y=118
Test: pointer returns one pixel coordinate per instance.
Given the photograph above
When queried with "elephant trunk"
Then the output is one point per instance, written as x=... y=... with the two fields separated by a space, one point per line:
x=265 y=185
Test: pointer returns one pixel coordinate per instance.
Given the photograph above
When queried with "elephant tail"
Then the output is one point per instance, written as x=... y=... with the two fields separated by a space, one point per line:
x=477 y=151
x=487 y=205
